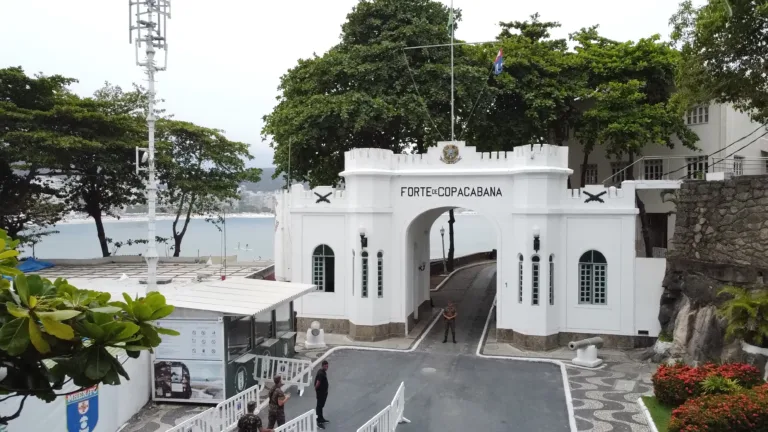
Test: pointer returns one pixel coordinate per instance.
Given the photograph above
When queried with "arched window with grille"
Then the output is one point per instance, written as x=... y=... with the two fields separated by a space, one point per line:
x=520 y=279
x=380 y=269
x=593 y=278
x=535 y=280
x=552 y=279
x=323 y=268
x=364 y=289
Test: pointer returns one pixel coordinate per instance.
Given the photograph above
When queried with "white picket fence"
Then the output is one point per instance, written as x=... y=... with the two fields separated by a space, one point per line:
x=292 y=371
x=388 y=418
x=224 y=416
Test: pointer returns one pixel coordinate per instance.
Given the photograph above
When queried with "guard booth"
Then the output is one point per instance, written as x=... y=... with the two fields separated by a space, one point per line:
x=225 y=327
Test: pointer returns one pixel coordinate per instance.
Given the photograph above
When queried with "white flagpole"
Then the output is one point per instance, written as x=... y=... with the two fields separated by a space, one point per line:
x=453 y=26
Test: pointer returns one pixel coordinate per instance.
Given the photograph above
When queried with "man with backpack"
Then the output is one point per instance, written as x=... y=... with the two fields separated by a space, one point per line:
x=251 y=422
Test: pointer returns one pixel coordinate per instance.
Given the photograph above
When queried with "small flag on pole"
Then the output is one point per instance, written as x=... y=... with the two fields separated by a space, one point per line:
x=498 y=63
x=449 y=27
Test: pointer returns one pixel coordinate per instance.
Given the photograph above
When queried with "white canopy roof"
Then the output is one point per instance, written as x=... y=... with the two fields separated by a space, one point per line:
x=234 y=296
x=237 y=296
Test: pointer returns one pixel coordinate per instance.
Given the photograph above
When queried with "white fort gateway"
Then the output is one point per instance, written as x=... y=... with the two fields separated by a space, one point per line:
x=566 y=264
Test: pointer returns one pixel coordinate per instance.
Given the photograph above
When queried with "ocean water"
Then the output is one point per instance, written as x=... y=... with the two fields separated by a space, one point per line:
x=249 y=238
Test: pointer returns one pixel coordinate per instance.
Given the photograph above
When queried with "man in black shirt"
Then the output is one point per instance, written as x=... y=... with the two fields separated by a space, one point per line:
x=321 y=389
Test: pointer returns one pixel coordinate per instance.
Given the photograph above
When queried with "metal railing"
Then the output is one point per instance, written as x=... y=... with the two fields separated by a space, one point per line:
x=649 y=168
x=293 y=371
x=388 y=418
x=230 y=411
x=206 y=421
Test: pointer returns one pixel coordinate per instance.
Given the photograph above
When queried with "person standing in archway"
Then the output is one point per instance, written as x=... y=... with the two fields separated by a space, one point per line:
x=449 y=315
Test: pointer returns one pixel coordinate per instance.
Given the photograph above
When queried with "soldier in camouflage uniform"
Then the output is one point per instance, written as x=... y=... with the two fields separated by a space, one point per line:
x=277 y=400
x=251 y=422
x=449 y=315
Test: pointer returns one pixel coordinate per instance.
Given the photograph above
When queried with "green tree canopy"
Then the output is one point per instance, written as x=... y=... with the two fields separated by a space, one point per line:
x=369 y=92
x=52 y=333
x=724 y=53
x=200 y=169
x=28 y=146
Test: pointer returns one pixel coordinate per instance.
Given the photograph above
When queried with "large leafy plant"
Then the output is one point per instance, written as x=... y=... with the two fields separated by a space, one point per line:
x=746 y=313
x=52 y=333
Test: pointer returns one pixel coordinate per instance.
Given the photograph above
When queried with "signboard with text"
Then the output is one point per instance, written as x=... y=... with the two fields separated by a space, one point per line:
x=198 y=340
x=83 y=409
x=450 y=191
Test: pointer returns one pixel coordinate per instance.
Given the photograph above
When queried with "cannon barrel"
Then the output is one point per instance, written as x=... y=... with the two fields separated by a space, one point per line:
x=596 y=341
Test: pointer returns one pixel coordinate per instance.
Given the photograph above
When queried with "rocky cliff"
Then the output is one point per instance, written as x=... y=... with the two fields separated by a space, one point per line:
x=720 y=239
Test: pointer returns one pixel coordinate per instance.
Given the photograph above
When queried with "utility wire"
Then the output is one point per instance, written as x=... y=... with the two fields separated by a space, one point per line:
x=726 y=147
x=464 y=128
x=415 y=87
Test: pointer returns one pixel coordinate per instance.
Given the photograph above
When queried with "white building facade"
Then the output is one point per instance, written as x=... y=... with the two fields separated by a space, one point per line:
x=730 y=144
x=566 y=261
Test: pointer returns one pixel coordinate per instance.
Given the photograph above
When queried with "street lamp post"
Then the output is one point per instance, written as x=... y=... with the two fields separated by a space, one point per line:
x=442 y=238
x=148 y=20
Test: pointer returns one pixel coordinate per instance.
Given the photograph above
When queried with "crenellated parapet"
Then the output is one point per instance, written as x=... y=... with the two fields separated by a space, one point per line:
x=455 y=155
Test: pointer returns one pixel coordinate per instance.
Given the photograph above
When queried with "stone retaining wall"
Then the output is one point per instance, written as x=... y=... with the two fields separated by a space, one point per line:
x=721 y=238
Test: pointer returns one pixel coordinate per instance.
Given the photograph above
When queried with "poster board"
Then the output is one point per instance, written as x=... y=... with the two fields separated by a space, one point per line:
x=190 y=367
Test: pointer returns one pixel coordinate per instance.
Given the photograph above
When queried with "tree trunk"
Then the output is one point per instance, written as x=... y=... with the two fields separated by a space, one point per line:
x=179 y=236
x=451 y=220
x=584 y=168
x=641 y=213
x=100 y=232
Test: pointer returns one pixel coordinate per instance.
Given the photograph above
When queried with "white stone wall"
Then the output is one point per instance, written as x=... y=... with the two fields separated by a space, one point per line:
x=394 y=200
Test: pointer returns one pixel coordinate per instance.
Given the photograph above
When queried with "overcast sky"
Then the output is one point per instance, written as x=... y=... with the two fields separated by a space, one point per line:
x=226 y=56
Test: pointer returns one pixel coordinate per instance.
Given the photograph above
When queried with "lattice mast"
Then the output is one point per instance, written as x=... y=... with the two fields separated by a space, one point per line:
x=147 y=20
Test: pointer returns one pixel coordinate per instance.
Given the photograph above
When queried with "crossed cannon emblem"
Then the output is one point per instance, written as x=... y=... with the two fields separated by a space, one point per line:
x=323 y=198
x=594 y=197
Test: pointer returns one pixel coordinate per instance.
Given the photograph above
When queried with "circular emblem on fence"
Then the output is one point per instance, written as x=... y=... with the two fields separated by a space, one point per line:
x=450 y=154
x=240 y=379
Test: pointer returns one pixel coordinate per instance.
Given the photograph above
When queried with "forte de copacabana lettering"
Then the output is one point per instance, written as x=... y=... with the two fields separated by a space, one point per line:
x=450 y=191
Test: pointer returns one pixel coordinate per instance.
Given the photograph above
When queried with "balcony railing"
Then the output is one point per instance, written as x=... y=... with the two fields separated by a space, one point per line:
x=650 y=168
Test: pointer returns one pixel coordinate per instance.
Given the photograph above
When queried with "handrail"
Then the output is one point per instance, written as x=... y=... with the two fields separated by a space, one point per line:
x=651 y=168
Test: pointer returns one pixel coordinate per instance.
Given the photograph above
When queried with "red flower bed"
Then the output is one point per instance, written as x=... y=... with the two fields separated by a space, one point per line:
x=745 y=411
x=677 y=383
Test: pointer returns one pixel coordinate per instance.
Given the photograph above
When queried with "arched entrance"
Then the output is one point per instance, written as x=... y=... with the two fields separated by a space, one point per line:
x=418 y=257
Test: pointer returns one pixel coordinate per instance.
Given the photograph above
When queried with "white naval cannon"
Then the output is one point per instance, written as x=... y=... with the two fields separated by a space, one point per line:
x=586 y=351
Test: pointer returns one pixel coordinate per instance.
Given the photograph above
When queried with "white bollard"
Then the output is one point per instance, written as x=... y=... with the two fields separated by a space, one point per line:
x=587 y=357
x=315 y=336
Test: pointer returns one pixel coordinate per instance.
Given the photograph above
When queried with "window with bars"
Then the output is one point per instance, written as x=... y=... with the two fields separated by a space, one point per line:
x=697 y=115
x=593 y=278
x=552 y=279
x=590 y=174
x=535 y=280
x=738 y=165
x=323 y=268
x=364 y=288
x=653 y=169
x=618 y=171
x=697 y=166
x=520 y=279
x=380 y=269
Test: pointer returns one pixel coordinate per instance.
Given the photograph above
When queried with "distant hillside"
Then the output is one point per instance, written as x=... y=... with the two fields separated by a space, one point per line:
x=267 y=184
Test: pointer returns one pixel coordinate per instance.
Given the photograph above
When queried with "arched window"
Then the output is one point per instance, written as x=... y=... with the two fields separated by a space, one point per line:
x=365 y=274
x=520 y=279
x=552 y=279
x=323 y=268
x=380 y=267
x=593 y=278
x=535 y=280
